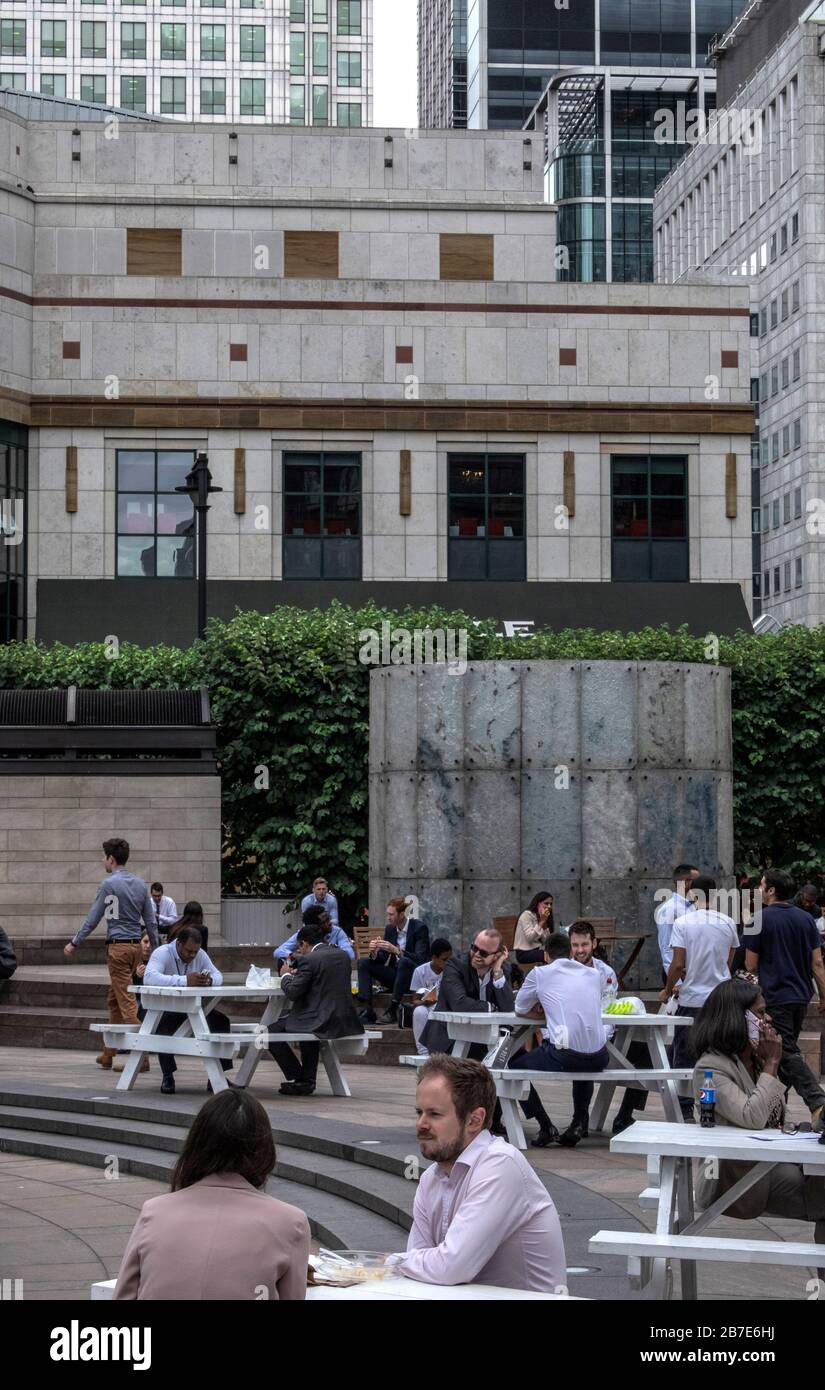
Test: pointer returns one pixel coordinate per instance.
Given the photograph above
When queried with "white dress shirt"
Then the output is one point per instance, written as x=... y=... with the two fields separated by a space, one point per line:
x=166 y=968
x=166 y=911
x=664 y=917
x=571 y=996
x=489 y=1221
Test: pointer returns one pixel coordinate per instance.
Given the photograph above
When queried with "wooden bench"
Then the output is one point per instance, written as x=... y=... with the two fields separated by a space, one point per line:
x=512 y=1085
x=639 y=1245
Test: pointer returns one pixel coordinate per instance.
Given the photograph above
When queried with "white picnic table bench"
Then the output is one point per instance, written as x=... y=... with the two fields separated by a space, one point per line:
x=193 y=1037
x=513 y=1084
x=679 y=1233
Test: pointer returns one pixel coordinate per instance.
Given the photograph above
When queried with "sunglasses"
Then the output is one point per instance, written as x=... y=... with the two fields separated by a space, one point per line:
x=478 y=951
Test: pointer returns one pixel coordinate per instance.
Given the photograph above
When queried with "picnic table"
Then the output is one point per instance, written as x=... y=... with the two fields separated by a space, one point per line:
x=395 y=1289
x=654 y=1030
x=679 y=1231
x=194 y=1038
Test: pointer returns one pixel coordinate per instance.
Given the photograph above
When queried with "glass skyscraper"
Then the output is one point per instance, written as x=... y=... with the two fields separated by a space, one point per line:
x=596 y=76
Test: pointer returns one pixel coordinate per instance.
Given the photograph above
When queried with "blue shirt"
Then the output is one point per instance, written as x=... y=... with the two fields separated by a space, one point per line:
x=329 y=901
x=166 y=968
x=123 y=899
x=784 y=947
x=336 y=937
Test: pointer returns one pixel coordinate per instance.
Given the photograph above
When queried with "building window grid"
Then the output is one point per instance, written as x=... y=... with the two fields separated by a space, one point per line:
x=486 y=516
x=322 y=515
x=155 y=524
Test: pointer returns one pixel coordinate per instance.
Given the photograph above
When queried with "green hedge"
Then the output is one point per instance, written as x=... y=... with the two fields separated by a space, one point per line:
x=290 y=696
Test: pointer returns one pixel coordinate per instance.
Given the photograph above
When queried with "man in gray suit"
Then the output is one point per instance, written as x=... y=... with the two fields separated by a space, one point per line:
x=320 y=989
x=478 y=983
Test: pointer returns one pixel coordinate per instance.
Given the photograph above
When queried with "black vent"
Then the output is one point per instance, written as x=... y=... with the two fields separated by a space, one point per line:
x=21 y=707
x=133 y=708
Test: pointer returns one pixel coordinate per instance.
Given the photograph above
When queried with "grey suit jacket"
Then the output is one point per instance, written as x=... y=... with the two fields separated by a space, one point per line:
x=321 y=994
x=747 y=1104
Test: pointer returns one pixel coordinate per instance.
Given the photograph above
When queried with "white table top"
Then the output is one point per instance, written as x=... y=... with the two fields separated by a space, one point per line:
x=394 y=1289
x=510 y=1020
x=214 y=991
x=722 y=1141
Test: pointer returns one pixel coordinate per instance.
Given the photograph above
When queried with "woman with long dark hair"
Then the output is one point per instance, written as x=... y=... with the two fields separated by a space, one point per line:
x=217 y=1234
x=732 y=1038
x=535 y=923
x=192 y=917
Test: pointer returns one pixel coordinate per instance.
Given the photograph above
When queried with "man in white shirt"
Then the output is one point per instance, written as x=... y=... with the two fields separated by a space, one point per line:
x=571 y=996
x=667 y=912
x=166 y=909
x=181 y=964
x=425 y=983
x=703 y=942
x=582 y=944
x=481 y=1215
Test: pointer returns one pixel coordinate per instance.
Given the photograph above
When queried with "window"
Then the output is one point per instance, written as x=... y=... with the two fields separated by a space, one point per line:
x=794 y=296
x=173 y=91
x=53 y=84
x=320 y=106
x=786 y=439
x=155 y=524
x=776 y=580
x=774 y=381
x=349 y=69
x=775 y=513
x=297 y=11
x=93 y=89
x=133 y=93
x=797 y=364
x=763 y=322
x=213 y=43
x=755 y=521
x=181 y=3
x=755 y=389
x=133 y=40
x=173 y=41
x=798 y=572
x=13 y=491
x=17 y=80
x=774 y=313
x=766 y=583
x=773 y=247
x=754 y=325
x=649 y=518
x=348 y=113
x=349 y=17
x=784 y=305
x=766 y=517
x=797 y=434
x=53 y=38
x=795 y=227
x=486 y=524
x=213 y=96
x=797 y=503
x=786 y=509
x=786 y=373
x=763 y=452
x=320 y=11
x=213 y=4
x=297 y=104
x=775 y=451
x=322 y=516
x=764 y=386
x=297 y=53
x=783 y=238
x=253 y=96
x=320 y=55
x=92 y=38
x=93 y=2
x=252 y=5
x=787 y=575
x=253 y=43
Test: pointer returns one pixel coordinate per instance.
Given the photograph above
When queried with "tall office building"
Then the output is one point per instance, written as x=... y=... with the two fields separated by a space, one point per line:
x=595 y=74
x=299 y=62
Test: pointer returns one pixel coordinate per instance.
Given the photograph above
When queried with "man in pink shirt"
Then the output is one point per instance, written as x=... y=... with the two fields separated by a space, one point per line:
x=481 y=1216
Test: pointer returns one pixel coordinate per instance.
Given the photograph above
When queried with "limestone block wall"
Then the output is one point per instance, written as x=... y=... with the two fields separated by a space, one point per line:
x=588 y=779
x=51 y=829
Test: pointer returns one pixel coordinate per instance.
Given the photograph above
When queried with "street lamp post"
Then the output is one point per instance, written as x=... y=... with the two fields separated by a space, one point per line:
x=199 y=486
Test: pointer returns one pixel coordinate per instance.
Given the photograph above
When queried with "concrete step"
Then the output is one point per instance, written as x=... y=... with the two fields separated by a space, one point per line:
x=48 y=950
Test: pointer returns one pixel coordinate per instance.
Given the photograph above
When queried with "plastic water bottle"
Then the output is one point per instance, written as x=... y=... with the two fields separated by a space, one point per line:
x=707 y=1102
x=609 y=994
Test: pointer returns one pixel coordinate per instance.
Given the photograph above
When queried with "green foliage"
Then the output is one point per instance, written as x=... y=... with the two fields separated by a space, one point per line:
x=291 y=701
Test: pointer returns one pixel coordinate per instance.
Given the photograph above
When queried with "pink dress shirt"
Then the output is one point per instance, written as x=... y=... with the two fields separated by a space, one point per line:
x=489 y=1221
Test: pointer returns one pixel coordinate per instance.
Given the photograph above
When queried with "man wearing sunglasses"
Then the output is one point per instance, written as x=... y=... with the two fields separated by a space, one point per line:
x=478 y=982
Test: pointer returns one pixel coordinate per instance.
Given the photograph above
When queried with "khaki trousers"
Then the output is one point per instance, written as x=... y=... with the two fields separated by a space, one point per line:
x=122 y=959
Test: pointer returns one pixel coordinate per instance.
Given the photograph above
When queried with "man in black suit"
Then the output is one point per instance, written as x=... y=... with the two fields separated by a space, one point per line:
x=477 y=983
x=320 y=988
x=392 y=960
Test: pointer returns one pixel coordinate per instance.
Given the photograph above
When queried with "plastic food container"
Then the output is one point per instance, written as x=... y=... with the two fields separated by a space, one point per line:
x=350 y=1266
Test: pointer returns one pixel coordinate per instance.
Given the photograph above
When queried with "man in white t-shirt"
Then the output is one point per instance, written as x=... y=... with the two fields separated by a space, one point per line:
x=703 y=942
x=574 y=1040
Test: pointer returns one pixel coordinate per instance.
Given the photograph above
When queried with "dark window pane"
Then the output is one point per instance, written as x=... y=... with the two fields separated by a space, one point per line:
x=302 y=478
x=466 y=475
x=630 y=561
x=342 y=478
x=506 y=475
x=629 y=479
x=667 y=479
x=342 y=559
x=668 y=562
x=302 y=559
x=302 y=516
x=668 y=518
x=135 y=470
x=506 y=516
x=341 y=515
x=466 y=516
x=506 y=560
x=467 y=559
x=630 y=517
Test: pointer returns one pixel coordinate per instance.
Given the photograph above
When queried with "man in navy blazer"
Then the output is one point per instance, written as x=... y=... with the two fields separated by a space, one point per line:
x=392 y=960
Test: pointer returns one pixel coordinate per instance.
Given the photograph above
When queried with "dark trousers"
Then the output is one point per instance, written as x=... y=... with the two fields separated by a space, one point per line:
x=682 y=1056
x=547 y=1057
x=305 y=1070
x=395 y=976
x=169 y=1023
x=788 y=1020
x=634 y=1097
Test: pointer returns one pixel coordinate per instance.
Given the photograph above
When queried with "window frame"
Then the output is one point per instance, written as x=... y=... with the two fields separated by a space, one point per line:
x=487 y=458
x=154 y=534
x=321 y=459
x=649 y=540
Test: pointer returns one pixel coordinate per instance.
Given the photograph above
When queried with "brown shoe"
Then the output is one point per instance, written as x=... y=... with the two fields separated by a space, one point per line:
x=104 y=1061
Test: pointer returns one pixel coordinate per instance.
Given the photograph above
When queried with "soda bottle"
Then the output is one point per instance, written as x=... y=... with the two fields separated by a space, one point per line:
x=707 y=1102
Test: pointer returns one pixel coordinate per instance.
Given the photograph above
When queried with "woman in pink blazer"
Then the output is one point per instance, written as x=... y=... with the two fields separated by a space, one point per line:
x=217 y=1235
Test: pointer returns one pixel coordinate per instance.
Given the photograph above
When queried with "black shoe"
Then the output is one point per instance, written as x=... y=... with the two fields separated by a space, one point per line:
x=167 y=1086
x=367 y=1016
x=578 y=1130
x=545 y=1138
x=296 y=1088
x=391 y=1015
x=623 y=1120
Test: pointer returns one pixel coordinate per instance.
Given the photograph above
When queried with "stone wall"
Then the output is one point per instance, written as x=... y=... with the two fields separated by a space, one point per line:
x=589 y=779
x=51 y=829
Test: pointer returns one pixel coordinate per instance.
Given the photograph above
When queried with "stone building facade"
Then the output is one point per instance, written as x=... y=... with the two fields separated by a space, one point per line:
x=363 y=332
